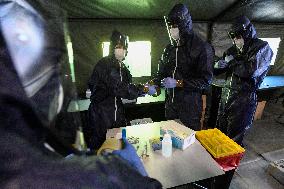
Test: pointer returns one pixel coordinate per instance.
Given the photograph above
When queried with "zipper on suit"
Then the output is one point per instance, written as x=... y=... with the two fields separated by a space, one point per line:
x=115 y=98
x=174 y=72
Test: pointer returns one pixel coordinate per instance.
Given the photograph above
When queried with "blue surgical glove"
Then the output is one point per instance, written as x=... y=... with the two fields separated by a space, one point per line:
x=229 y=58
x=169 y=82
x=151 y=89
x=129 y=154
x=222 y=64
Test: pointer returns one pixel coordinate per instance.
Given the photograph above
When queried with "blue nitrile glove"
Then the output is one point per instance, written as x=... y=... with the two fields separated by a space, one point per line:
x=151 y=89
x=222 y=64
x=229 y=58
x=169 y=82
x=129 y=154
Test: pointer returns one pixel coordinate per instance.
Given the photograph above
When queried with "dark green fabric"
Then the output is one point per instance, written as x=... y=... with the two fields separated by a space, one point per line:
x=87 y=37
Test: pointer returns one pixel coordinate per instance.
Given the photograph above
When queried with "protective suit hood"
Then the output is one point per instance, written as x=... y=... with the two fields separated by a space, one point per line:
x=33 y=42
x=242 y=26
x=180 y=16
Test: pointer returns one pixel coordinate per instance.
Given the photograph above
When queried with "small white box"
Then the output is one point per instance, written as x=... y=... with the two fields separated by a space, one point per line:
x=182 y=136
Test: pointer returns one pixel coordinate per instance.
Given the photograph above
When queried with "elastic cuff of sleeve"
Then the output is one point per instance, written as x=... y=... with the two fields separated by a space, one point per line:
x=179 y=83
x=146 y=89
x=151 y=82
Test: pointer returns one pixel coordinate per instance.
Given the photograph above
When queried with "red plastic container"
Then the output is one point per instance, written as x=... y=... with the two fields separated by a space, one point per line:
x=224 y=150
x=229 y=162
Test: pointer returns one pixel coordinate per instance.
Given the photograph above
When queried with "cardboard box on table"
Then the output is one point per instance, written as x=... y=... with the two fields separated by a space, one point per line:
x=182 y=136
x=140 y=135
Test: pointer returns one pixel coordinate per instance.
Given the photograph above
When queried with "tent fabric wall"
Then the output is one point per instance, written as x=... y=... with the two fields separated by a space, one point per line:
x=87 y=37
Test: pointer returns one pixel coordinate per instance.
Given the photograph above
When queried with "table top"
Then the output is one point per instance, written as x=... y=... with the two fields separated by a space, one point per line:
x=191 y=165
x=83 y=104
x=269 y=82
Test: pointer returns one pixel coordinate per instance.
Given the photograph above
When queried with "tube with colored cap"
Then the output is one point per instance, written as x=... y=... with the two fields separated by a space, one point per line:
x=123 y=133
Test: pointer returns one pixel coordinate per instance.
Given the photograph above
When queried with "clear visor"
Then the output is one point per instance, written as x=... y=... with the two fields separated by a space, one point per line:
x=234 y=35
x=42 y=55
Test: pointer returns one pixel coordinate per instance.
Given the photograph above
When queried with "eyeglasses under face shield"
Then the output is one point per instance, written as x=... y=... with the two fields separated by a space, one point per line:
x=235 y=34
x=238 y=31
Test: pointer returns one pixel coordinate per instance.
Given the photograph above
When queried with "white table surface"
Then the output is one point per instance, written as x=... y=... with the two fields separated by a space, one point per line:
x=191 y=165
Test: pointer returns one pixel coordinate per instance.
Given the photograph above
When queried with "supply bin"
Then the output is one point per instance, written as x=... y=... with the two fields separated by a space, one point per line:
x=225 y=151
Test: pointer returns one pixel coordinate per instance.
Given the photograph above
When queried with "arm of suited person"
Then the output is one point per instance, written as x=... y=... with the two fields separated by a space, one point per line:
x=205 y=71
x=27 y=167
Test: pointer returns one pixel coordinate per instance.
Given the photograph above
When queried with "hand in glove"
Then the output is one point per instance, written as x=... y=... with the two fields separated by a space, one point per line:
x=169 y=83
x=151 y=89
x=128 y=153
x=229 y=58
x=158 y=89
x=221 y=64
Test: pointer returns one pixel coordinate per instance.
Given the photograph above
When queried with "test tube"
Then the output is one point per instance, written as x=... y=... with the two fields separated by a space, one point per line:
x=123 y=133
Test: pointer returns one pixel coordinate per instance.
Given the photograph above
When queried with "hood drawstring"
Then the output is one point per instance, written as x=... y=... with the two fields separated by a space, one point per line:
x=174 y=72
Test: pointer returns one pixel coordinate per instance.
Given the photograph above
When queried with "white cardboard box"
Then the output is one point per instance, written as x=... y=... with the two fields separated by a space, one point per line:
x=182 y=136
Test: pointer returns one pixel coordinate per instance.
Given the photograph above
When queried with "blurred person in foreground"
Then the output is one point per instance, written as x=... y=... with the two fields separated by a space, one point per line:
x=32 y=47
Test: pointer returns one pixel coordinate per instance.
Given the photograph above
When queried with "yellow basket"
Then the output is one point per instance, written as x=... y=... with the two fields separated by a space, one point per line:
x=217 y=143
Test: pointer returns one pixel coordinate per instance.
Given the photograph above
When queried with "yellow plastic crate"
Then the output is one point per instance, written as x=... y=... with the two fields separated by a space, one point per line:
x=217 y=143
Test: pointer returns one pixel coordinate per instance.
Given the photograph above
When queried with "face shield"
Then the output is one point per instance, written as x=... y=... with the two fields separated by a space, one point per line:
x=168 y=28
x=237 y=39
x=242 y=31
x=178 y=22
x=119 y=45
x=37 y=44
x=173 y=30
x=232 y=34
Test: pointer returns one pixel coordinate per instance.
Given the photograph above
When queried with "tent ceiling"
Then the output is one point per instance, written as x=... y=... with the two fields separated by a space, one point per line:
x=201 y=10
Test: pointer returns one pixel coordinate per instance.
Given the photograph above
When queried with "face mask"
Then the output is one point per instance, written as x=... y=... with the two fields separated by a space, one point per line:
x=119 y=54
x=239 y=43
x=174 y=33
